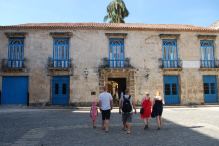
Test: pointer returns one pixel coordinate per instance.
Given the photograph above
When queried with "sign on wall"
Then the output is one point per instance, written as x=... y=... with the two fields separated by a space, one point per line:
x=191 y=64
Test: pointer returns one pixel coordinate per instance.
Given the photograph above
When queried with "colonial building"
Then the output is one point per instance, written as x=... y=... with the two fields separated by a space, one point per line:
x=69 y=63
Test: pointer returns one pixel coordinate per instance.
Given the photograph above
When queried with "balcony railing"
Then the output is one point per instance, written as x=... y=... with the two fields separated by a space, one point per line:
x=13 y=64
x=116 y=63
x=209 y=63
x=170 y=63
x=57 y=64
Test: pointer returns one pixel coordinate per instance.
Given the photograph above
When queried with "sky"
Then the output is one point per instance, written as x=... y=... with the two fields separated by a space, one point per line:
x=195 y=12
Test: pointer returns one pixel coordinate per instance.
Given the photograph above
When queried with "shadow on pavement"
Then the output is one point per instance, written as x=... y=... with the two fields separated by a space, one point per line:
x=64 y=127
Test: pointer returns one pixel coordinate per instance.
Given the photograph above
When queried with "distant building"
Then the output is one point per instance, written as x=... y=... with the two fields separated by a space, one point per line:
x=69 y=63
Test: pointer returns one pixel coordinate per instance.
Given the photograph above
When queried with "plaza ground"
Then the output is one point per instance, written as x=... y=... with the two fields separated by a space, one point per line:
x=21 y=126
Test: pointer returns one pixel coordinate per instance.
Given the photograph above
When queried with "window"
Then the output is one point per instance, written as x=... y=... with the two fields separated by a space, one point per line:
x=213 y=88
x=174 y=89
x=167 y=89
x=64 y=89
x=16 y=52
x=169 y=50
x=207 y=53
x=56 y=88
x=116 y=52
x=207 y=49
x=170 y=54
x=206 y=88
x=61 y=52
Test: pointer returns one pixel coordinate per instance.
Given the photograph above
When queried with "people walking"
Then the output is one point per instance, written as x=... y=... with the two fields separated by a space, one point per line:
x=94 y=113
x=146 y=106
x=126 y=106
x=158 y=109
x=106 y=105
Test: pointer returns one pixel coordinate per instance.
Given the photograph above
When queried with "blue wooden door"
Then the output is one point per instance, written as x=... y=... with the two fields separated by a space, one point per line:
x=60 y=90
x=14 y=90
x=210 y=89
x=171 y=90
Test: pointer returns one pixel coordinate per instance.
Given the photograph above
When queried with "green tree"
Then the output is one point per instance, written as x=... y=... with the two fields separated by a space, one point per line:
x=116 y=12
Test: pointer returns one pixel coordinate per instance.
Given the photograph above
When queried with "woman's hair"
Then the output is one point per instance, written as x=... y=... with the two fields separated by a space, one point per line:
x=158 y=93
x=147 y=93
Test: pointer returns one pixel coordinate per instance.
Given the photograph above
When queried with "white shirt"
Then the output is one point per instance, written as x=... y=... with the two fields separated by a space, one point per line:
x=105 y=99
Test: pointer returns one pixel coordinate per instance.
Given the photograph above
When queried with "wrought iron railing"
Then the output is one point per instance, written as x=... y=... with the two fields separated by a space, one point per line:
x=13 y=64
x=60 y=64
x=116 y=63
x=170 y=63
x=209 y=63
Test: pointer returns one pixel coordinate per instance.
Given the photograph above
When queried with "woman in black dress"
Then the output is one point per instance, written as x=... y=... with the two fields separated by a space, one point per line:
x=158 y=109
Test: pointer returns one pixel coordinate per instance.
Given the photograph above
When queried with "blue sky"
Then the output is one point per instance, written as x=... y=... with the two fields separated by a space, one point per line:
x=196 y=12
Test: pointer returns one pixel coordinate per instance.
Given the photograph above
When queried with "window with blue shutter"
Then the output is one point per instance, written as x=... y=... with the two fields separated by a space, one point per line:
x=170 y=53
x=61 y=52
x=16 y=52
x=116 y=52
x=207 y=53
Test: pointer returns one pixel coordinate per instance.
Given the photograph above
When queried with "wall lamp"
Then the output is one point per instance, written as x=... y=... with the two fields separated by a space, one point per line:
x=147 y=73
x=86 y=73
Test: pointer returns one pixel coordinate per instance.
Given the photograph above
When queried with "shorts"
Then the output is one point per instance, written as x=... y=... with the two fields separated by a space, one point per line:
x=106 y=114
x=127 y=117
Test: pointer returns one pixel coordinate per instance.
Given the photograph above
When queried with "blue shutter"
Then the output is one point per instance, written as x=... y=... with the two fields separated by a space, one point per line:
x=61 y=52
x=16 y=52
x=170 y=53
x=207 y=53
x=116 y=53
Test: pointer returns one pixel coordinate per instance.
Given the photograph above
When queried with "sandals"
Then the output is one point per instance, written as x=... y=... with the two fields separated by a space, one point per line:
x=128 y=132
x=146 y=127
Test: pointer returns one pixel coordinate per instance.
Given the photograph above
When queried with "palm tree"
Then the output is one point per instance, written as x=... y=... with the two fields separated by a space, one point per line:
x=117 y=11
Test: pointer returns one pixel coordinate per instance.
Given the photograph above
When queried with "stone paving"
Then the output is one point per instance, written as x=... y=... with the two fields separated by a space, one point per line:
x=67 y=127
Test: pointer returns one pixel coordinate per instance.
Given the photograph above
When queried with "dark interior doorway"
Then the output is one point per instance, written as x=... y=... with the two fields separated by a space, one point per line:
x=117 y=87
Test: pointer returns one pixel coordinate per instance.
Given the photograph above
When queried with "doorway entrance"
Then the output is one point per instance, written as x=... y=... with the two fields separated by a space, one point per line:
x=60 y=90
x=117 y=87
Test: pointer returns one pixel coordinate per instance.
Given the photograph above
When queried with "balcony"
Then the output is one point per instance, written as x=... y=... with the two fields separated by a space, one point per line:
x=209 y=64
x=13 y=65
x=57 y=64
x=116 y=63
x=170 y=64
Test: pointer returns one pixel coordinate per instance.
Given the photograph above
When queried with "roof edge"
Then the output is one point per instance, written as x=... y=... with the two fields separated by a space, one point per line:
x=111 y=26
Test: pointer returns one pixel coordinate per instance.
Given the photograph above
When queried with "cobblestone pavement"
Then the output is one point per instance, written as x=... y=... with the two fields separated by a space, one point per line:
x=57 y=127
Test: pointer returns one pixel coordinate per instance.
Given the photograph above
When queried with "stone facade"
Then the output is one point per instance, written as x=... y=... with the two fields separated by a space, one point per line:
x=89 y=46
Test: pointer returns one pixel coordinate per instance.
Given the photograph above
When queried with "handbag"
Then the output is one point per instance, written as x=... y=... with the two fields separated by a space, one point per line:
x=142 y=111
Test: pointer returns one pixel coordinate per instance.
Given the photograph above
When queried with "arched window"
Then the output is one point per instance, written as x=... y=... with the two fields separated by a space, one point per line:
x=207 y=53
x=16 y=52
x=116 y=52
x=170 y=53
x=61 y=52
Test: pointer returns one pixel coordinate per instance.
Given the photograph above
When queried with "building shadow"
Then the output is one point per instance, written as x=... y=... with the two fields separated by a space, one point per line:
x=67 y=127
